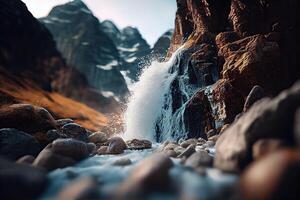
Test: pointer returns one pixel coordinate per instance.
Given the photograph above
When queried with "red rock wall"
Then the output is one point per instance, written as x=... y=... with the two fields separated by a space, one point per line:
x=256 y=42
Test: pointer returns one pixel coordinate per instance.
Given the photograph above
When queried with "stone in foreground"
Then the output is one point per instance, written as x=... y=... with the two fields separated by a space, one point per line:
x=15 y=144
x=149 y=174
x=265 y=119
x=275 y=176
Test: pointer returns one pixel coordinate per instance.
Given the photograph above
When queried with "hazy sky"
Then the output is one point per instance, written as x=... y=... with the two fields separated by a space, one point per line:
x=151 y=17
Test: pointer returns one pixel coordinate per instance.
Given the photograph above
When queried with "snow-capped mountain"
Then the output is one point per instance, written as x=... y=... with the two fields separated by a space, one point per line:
x=132 y=47
x=84 y=45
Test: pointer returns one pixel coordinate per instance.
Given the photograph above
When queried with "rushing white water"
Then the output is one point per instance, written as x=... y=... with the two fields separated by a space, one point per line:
x=148 y=96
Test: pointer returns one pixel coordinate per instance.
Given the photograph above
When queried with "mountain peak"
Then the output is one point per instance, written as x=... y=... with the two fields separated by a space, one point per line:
x=72 y=7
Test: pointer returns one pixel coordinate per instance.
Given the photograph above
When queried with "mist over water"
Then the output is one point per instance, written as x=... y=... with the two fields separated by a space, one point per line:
x=148 y=98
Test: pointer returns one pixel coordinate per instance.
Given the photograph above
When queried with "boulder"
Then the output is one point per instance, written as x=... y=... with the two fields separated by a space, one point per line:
x=51 y=161
x=28 y=159
x=122 y=162
x=255 y=94
x=116 y=145
x=15 y=144
x=25 y=117
x=187 y=152
x=18 y=181
x=61 y=122
x=91 y=147
x=214 y=138
x=211 y=133
x=275 y=176
x=72 y=148
x=188 y=142
x=98 y=137
x=170 y=146
x=149 y=174
x=264 y=147
x=171 y=153
x=199 y=159
x=102 y=150
x=53 y=135
x=265 y=119
x=136 y=144
x=84 y=188
x=75 y=131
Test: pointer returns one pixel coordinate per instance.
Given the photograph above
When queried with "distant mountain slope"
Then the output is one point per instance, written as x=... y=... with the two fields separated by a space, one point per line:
x=32 y=70
x=133 y=48
x=86 y=47
x=161 y=47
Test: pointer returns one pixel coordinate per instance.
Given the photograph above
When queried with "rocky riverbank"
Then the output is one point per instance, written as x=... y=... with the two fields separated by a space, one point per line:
x=43 y=157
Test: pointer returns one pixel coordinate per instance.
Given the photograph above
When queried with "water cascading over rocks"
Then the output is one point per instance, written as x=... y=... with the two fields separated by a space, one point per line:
x=162 y=106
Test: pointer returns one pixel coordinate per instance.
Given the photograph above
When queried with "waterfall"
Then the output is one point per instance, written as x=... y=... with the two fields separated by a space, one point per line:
x=156 y=109
x=148 y=97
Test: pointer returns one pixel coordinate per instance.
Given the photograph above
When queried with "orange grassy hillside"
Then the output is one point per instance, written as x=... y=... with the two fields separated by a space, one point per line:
x=13 y=90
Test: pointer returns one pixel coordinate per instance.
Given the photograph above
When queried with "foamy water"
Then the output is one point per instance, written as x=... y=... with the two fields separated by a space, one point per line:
x=148 y=95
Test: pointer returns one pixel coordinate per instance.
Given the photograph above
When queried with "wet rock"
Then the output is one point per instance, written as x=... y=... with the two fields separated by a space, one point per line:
x=226 y=37
x=199 y=159
x=275 y=176
x=102 y=150
x=255 y=94
x=91 y=147
x=211 y=133
x=51 y=161
x=139 y=144
x=122 y=162
x=265 y=119
x=28 y=159
x=188 y=142
x=116 y=145
x=98 y=137
x=149 y=174
x=179 y=149
x=84 y=188
x=15 y=144
x=18 y=181
x=172 y=153
x=188 y=152
x=214 y=138
x=209 y=144
x=61 y=122
x=170 y=146
x=25 y=117
x=264 y=147
x=198 y=116
x=75 y=131
x=53 y=135
x=201 y=141
x=224 y=127
x=72 y=148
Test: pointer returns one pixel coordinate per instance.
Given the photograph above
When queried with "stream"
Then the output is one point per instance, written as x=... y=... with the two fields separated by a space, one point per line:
x=150 y=109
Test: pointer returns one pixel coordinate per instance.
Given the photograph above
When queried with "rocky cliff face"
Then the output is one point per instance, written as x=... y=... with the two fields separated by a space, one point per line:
x=85 y=46
x=133 y=48
x=248 y=43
